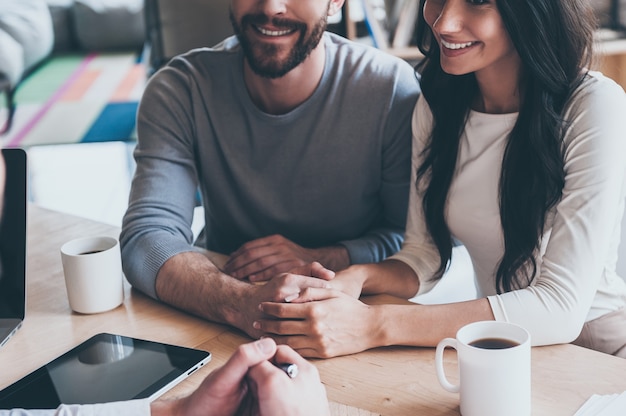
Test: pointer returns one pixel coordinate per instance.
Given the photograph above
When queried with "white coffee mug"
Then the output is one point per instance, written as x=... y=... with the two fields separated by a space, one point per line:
x=93 y=274
x=494 y=369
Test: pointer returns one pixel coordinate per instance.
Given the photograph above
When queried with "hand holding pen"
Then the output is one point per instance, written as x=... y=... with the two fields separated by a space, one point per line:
x=260 y=378
x=301 y=393
x=290 y=369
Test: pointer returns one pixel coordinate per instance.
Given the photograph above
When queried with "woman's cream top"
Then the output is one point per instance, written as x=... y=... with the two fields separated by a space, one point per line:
x=576 y=280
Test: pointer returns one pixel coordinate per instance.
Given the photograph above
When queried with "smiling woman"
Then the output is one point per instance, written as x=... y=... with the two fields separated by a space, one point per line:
x=473 y=39
x=517 y=155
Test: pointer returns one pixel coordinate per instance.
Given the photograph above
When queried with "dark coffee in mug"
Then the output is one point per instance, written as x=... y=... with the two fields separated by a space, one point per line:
x=494 y=343
x=90 y=252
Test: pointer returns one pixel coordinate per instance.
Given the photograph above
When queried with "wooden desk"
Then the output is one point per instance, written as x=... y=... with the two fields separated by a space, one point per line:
x=387 y=381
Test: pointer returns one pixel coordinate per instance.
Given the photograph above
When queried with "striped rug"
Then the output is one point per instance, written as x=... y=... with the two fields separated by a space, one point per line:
x=78 y=98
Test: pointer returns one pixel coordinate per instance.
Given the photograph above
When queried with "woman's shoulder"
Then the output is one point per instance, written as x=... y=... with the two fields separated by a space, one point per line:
x=596 y=79
x=597 y=98
x=596 y=111
x=596 y=88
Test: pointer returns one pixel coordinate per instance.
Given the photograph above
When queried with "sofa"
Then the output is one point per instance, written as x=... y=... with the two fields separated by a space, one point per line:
x=26 y=38
x=32 y=30
x=97 y=25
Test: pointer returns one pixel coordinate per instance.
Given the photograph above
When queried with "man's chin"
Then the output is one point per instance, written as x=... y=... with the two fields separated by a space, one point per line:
x=275 y=61
x=273 y=66
x=270 y=72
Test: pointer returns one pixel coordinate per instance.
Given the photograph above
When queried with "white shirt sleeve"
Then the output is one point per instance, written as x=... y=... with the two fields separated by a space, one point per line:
x=576 y=279
x=418 y=250
x=556 y=305
x=131 y=407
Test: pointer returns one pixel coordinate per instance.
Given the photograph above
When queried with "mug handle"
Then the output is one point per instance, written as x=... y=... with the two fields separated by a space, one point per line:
x=441 y=375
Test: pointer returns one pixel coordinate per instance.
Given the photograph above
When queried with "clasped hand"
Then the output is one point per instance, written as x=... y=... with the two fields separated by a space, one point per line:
x=263 y=258
x=321 y=321
x=282 y=288
x=297 y=305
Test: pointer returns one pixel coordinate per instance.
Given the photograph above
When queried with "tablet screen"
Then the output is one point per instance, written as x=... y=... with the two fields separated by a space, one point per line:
x=105 y=368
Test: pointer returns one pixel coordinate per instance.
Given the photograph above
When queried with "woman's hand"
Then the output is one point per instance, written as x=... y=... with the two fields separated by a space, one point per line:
x=322 y=323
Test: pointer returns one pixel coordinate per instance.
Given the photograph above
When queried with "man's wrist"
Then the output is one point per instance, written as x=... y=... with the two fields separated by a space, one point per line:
x=233 y=309
x=166 y=407
x=190 y=281
x=334 y=257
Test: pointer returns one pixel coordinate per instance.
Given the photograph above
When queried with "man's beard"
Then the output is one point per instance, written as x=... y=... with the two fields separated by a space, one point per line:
x=265 y=62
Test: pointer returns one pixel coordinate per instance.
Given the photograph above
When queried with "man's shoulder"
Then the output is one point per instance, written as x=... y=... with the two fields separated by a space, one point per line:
x=364 y=64
x=215 y=57
x=364 y=56
x=228 y=45
x=359 y=49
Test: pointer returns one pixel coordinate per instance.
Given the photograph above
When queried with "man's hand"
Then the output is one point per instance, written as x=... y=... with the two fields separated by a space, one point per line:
x=190 y=281
x=249 y=383
x=223 y=390
x=272 y=392
x=261 y=259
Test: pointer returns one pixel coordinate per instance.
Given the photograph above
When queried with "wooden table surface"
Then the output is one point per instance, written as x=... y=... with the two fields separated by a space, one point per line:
x=385 y=381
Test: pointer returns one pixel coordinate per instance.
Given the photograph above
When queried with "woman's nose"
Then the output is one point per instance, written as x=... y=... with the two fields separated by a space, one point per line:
x=450 y=18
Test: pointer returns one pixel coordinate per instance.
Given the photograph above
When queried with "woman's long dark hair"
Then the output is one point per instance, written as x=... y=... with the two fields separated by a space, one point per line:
x=554 y=41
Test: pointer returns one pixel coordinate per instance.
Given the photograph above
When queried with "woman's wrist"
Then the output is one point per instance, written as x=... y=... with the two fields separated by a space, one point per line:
x=350 y=281
x=377 y=333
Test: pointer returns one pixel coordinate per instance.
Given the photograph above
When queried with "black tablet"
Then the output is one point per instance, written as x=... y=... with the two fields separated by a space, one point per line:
x=105 y=368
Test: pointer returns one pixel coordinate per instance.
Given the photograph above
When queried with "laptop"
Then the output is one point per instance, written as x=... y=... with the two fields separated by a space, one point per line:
x=13 y=245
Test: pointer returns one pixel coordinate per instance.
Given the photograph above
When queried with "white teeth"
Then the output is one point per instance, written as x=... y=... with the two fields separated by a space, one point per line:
x=273 y=32
x=456 y=45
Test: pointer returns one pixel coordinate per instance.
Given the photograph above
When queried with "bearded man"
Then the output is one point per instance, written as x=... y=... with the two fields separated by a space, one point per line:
x=298 y=142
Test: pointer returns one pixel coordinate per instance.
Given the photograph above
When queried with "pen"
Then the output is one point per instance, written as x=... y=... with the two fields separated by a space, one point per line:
x=290 y=369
